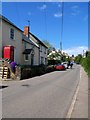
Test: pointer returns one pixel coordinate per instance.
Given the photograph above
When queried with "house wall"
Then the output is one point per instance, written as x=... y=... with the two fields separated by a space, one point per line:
x=19 y=45
x=17 y=42
x=43 y=51
x=25 y=45
x=43 y=54
x=0 y=38
x=36 y=56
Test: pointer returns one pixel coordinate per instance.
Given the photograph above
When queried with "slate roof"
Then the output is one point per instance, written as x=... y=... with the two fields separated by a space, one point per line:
x=8 y=21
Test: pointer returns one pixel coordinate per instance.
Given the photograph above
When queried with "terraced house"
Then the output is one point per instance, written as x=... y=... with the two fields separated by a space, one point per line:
x=21 y=46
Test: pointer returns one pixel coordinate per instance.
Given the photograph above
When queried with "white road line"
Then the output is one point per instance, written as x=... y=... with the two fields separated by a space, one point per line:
x=68 y=116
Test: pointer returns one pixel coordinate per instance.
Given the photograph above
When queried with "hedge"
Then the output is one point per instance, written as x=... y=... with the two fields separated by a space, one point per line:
x=86 y=64
x=32 y=71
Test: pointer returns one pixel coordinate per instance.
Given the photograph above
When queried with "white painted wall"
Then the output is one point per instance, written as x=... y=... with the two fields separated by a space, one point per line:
x=0 y=38
x=19 y=45
x=17 y=42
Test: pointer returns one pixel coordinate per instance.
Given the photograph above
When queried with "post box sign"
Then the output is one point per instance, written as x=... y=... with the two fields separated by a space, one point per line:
x=8 y=52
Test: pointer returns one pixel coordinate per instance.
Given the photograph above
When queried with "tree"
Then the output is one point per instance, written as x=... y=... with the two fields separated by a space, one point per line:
x=78 y=59
x=86 y=63
x=49 y=45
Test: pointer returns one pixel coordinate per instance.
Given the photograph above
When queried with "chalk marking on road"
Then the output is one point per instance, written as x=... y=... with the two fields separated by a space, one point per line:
x=69 y=114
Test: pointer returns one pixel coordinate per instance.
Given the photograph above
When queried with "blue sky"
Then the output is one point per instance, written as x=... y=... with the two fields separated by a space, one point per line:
x=45 y=22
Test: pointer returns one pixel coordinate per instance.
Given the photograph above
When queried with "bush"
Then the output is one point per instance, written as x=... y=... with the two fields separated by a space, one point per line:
x=53 y=62
x=37 y=70
x=78 y=59
x=86 y=63
x=32 y=71
x=50 y=68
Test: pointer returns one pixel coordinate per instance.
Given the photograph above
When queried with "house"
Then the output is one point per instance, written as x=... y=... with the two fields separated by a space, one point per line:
x=24 y=46
x=42 y=47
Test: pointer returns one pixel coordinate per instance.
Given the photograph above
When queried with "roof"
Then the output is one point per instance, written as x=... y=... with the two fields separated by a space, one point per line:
x=39 y=40
x=34 y=42
x=27 y=51
x=8 y=21
x=26 y=39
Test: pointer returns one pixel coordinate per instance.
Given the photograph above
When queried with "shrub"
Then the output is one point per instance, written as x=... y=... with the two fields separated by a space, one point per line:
x=50 y=68
x=32 y=71
x=86 y=63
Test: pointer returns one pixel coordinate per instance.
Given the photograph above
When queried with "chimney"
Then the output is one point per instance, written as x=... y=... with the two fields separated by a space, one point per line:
x=26 y=31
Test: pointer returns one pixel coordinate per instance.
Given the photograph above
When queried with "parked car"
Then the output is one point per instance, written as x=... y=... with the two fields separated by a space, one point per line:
x=65 y=64
x=60 y=67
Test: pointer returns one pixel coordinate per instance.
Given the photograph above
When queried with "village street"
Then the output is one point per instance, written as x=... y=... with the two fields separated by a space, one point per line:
x=46 y=96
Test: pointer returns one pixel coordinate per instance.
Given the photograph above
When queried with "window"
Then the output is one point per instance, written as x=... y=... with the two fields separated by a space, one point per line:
x=40 y=48
x=12 y=33
x=32 y=59
x=25 y=45
x=45 y=61
x=44 y=50
x=42 y=60
x=26 y=57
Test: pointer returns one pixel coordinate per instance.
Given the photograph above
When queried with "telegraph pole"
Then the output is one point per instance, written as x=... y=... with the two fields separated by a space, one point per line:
x=62 y=31
x=62 y=27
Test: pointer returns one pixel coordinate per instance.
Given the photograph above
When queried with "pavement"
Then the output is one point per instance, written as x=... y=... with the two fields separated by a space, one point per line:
x=80 y=101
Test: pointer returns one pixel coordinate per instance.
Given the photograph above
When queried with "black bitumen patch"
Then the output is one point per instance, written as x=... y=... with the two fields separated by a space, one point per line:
x=1 y=87
x=26 y=85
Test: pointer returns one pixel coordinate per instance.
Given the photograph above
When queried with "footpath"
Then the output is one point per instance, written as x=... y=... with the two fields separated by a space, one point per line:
x=80 y=109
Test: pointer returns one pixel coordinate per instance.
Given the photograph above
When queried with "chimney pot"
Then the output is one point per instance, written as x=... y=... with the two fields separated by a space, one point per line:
x=26 y=31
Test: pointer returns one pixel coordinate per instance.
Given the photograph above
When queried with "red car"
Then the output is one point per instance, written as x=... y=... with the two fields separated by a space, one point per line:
x=60 y=67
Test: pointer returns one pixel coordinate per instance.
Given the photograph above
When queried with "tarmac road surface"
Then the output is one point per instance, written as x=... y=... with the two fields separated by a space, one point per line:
x=46 y=96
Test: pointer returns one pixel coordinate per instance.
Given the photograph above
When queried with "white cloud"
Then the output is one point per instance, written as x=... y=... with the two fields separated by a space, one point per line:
x=29 y=13
x=75 y=10
x=59 y=5
x=85 y=18
x=57 y=15
x=75 y=7
x=43 y=7
x=75 y=50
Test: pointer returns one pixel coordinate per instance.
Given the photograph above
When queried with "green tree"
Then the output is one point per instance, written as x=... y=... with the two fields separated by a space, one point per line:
x=49 y=45
x=86 y=63
x=78 y=59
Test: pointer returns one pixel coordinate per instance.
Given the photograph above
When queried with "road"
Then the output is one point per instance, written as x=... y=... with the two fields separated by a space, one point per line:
x=46 y=96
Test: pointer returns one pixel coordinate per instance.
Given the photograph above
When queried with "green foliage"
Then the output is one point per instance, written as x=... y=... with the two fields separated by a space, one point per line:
x=49 y=45
x=53 y=62
x=50 y=68
x=86 y=63
x=32 y=71
x=78 y=59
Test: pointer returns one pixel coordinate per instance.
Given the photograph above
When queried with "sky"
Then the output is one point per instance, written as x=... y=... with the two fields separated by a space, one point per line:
x=46 y=22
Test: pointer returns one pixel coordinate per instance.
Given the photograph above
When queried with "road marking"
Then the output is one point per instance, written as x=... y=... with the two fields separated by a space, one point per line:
x=68 y=116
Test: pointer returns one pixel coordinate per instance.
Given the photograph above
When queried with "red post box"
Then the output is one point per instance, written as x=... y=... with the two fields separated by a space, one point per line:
x=8 y=52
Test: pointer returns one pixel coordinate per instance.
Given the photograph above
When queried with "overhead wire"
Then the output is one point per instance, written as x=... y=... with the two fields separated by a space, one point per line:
x=45 y=15
x=18 y=14
x=62 y=26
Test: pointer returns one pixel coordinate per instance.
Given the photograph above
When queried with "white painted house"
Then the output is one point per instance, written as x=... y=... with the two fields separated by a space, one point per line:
x=28 y=49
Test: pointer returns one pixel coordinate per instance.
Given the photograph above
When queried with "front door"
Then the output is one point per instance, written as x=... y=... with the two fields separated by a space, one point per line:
x=32 y=59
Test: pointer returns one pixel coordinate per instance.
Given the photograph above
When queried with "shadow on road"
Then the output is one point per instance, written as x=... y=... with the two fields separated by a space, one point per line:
x=1 y=87
x=26 y=85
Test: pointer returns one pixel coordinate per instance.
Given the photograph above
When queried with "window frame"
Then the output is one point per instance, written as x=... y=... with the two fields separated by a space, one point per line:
x=12 y=33
x=25 y=57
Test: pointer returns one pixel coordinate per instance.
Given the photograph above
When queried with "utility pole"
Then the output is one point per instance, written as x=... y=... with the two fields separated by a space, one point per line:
x=62 y=27
x=62 y=31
